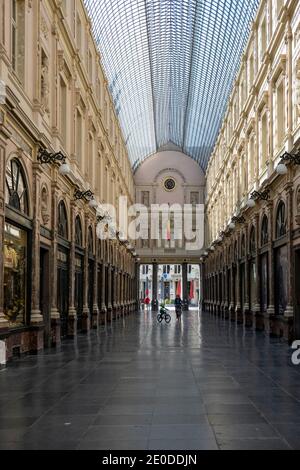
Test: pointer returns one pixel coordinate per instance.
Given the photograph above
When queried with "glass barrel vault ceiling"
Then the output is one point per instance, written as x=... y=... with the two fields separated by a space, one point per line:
x=171 y=66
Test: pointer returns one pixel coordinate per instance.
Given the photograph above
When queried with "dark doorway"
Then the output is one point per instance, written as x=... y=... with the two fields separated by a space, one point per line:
x=281 y=279
x=99 y=287
x=264 y=284
x=297 y=294
x=63 y=296
x=44 y=295
x=79 y=291
x=91 y=287
x=243 y=286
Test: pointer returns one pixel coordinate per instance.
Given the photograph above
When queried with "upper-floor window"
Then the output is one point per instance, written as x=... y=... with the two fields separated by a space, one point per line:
x=263 y=38
x=78 y=33
x=281 y=223
x=18 y=37
x=279 y=6
x=16 y=194
x=79 y=139
x=63 y=111
x=62 y=222
x=264 y=231
x=264 y=139
x=90 y=66
x=78 y=232
x=280 y=111
x=252 y=244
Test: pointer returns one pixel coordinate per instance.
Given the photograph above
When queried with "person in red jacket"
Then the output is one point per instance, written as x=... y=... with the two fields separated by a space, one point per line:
x=147 y=302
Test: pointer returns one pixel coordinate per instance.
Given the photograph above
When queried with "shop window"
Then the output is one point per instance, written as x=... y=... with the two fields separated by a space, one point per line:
x=264 y=231
x=16 y=195
x=15 y=274
x=78 y=232
x=62 y=220
x=281 y=220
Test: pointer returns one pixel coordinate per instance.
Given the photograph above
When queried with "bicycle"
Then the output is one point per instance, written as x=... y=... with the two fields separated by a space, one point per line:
x=163 y=315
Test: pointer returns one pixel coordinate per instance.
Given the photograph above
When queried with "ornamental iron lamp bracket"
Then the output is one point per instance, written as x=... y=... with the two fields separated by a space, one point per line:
x=261 y=195
x=289 y=157
x=47 y=157
x=83 y=195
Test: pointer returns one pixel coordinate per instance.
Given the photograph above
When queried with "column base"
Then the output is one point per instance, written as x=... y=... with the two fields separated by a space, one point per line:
x=72 y=323
x=4 y=323
x=226 y=312
x=95 y=317
x=55 y=331
x=36 y=318
x=86 y=320
x=248 y=317
x=239 y=315
x=259 y=321
x=232 y=313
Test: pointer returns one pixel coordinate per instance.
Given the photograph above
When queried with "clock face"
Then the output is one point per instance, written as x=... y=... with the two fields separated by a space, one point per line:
x=169 y=184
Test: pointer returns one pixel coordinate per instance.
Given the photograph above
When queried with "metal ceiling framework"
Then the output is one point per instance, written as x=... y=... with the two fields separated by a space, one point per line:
x=171 y=65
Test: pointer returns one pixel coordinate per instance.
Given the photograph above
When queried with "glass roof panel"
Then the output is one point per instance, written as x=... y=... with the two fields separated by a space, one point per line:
x=171 y=66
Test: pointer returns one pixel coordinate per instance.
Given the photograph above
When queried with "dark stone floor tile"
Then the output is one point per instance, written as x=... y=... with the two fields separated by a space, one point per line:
x=163 y=419
x=117 y=420
x=254 y=444
x=244 y=431
x=182 y=444
x=121 y=432
x=236 y=418
x=182 y=431
x=131 y=444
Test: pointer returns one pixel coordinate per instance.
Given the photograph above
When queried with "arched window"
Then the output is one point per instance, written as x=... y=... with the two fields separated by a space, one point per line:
x=243 y=247
x=264 y=231
x=16 y=195
x=78 y=232
x=62 y=220
x=252 y=245
x=281 y=220
x=91 y=241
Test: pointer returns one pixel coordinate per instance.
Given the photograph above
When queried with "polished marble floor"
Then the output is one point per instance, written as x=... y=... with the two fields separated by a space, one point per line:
x=136 y=384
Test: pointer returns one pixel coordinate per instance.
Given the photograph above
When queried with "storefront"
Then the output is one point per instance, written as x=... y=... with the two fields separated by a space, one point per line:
x=243 y=273
x=252 y=270
x=264 y=263
x=79 y=260
x=281 y=260
x=91 y=271
x=17 y=258
x=63 y=255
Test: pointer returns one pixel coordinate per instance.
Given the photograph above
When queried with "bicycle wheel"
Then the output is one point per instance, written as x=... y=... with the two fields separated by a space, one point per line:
x=159 y=318
x=167 y=318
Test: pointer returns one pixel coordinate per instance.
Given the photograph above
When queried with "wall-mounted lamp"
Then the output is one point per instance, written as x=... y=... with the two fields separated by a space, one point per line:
x=86 y=196
x=287 y=157
x=47 y=157
x=258 y=196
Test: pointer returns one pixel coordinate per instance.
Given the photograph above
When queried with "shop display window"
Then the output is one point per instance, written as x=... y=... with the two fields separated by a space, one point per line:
x=15 y=274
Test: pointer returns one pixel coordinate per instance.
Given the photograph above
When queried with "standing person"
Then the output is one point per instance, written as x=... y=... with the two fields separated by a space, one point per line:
x=147 y=303
x=178 y=307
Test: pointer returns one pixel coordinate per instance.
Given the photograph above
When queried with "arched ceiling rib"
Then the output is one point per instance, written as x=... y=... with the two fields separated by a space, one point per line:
x=171 y=66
